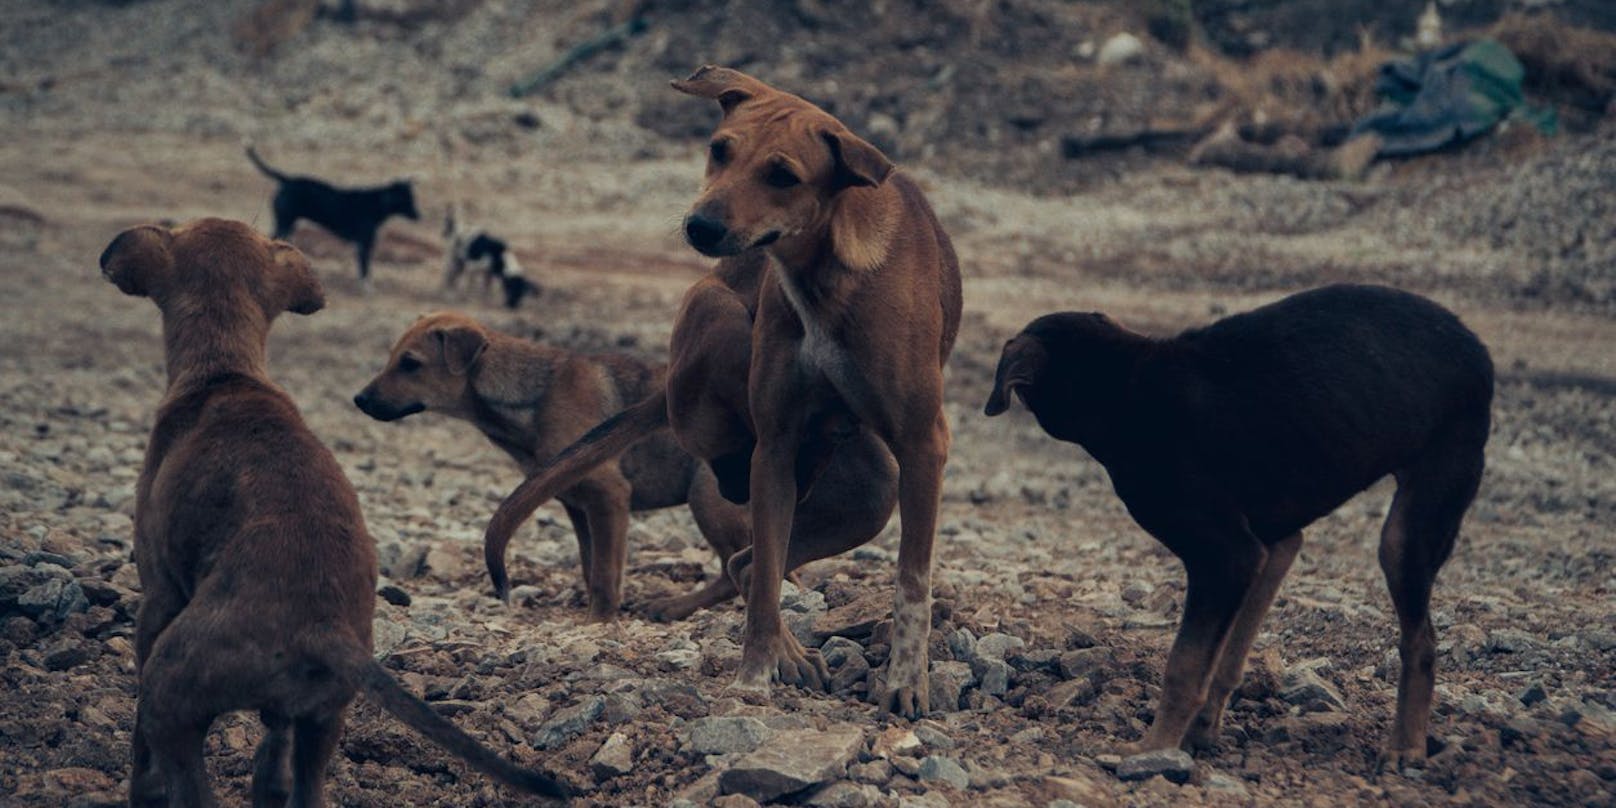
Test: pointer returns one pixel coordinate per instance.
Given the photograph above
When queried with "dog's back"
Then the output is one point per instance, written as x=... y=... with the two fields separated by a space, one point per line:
x=249 y=501
x=1293 y=408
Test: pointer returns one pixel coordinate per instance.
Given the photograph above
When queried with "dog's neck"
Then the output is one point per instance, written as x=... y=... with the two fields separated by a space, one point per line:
x=511 y=380
x=203 y=342
x=822 y=264
x=1092 y=405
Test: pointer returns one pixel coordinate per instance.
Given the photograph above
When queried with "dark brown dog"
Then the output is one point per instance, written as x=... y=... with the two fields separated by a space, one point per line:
x=808 y=361
x=1226 y=441
x=259 y=577
x=532 y=401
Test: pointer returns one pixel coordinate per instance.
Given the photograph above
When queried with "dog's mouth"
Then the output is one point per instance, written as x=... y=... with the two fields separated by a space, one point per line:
x=385 y=412
x=766 y=239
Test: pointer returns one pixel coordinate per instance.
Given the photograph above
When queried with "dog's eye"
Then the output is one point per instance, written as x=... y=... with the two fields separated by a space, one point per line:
x=409 y=364
x=781 y=177
x=718 y=151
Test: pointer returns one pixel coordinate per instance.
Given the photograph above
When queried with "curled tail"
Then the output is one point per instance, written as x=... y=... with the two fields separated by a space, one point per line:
x=380 y=685
x=607 y=440
x=252 y=154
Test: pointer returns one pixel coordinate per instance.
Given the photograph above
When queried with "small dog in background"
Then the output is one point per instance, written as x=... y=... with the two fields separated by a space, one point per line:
x=351 y=214
x=476 y=249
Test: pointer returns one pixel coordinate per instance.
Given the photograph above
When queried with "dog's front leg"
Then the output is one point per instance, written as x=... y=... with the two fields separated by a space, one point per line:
x=920 y=482
x=768 y=650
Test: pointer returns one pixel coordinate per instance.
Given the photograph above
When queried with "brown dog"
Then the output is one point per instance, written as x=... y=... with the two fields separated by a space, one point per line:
x=259 y=577
x=808 y=361
x=532 y=401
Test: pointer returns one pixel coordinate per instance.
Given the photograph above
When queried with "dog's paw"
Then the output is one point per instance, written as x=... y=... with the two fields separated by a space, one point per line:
x=1396 y=761
x=781 y=660
x=906 y=702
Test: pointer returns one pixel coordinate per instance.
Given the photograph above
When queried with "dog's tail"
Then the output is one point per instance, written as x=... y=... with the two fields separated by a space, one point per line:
x=607 y=440
x=252 y=154
x=378 y=684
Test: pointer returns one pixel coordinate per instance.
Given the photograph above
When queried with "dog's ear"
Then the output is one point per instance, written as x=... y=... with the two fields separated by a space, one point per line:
x=1020 y=364
x=857 y=162
x=138 y=260
x=726 y=86
x=462 y=345
x=300 y=287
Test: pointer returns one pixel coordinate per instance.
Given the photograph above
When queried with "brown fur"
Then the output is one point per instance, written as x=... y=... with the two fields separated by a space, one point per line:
x=857 y=307
x=237 y=502
x=812 y=430
x=533 y=400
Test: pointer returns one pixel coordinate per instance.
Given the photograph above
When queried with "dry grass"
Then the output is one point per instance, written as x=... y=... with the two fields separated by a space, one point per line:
x=1288 y=91
x=271 y=23
x=1564 y=64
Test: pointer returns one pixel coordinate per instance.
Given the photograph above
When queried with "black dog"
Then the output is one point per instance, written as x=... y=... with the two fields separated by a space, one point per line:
x=477 y=249
x=1226 y=441
x=352 y=214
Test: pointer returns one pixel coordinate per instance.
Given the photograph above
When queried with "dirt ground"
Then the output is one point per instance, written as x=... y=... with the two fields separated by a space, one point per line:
x=118 y=114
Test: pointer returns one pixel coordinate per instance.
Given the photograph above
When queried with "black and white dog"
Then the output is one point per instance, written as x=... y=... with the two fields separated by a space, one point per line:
x=476 y=249
x=352 y=214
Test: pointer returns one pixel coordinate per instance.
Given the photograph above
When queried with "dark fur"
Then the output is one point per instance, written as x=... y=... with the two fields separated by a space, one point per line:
x=1226 y=441
x=352 y=214
x=236 y=504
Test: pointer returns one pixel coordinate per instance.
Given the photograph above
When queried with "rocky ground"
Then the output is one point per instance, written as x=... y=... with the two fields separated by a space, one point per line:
x=1054 y=611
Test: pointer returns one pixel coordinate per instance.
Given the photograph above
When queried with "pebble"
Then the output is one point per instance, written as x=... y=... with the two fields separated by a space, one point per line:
x=1174 y=764
x=719 y=735
x=1305 y=688
x=615 y=758
x=843 y=794
x=948 y=683
x=939 y=769
x=568 y=723
x=1080 y=662
x=1120 y=49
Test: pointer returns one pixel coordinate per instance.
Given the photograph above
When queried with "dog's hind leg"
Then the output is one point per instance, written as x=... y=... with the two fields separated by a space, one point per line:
x=727 y=530
x=157 y=610
x=363 y=248
x=314 y=741
x=604 y=500
x=1419 y=534
x=1222 y=571
x=270 y=787
x=1231 y=664
x=285 y=216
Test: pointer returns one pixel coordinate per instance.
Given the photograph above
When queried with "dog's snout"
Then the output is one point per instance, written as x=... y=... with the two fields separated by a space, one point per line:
x=704 y=232
x=363 y=400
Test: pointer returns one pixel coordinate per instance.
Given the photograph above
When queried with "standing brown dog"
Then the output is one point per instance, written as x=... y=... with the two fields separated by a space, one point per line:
x=808 y=361
x=532 y=401
x=259 y=577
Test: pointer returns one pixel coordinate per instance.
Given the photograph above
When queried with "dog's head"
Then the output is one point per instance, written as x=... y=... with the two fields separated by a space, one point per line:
x=429 y=369
x=401 y=199
x=776 y=166
x=212 y=267
x=516 y=288
x=1058 y=356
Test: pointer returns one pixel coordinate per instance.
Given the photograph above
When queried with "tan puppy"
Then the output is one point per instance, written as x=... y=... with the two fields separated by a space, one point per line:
x=237 y=504
x=532 y=401
x=808 y=361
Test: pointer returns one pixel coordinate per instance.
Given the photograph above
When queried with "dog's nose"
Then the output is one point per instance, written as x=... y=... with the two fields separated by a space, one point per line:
x=704 y=233
x=362 y=401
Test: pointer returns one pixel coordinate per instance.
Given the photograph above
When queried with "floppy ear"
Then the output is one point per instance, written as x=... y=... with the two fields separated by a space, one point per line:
x=726 y=86
x=138 y=260
x=299 y=286
x=857 y=162
x=461 y=347
x=1019 y=365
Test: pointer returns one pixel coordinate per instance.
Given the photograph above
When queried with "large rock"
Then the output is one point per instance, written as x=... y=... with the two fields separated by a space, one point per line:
x=727 y=734
x=1174 y=764
x=948 y=683
x=792 y=761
